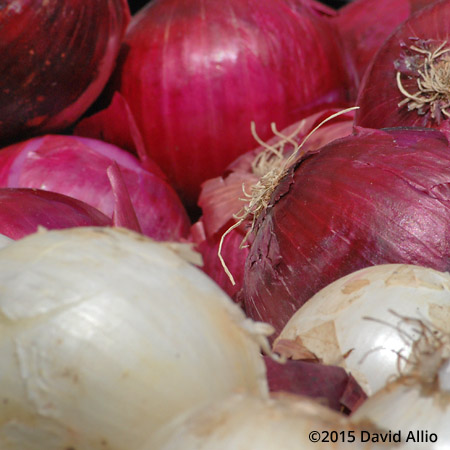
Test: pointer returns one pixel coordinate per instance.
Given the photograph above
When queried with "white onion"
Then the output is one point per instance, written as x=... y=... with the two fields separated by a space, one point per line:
x=105 y=335
x=250 y=423
x=333 y=327
x=412 y=412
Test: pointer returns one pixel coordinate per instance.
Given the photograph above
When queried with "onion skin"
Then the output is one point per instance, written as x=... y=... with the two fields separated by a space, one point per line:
x=78 y=167
x=223 y=65
x=330 y=385
x=379 y=95
x=374 y=198
x=22 y=211
x=66 y=51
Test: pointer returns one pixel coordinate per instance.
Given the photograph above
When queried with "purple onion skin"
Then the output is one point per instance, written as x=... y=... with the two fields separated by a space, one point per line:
x=55 y=58
x=378 y=197
x=331 y=385
x=195 y=73
x=22 y=211
x=77 y=167
x=379 y=95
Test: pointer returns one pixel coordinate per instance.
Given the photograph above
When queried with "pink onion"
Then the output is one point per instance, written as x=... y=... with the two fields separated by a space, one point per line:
x=22 y=211
x=78 y=167
x=407 y=83
x=55 y=58
x=221 y=197
x=373 y=198
x=195 y=73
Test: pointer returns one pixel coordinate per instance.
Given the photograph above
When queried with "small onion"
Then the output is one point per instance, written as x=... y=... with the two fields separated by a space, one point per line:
x=78 y=167
x=55 y=58
x=377 y=197
x=251 y=423
x=333 y=325
x=23 y=211
x=195 y=73
x=407 y=83
x=107 y=335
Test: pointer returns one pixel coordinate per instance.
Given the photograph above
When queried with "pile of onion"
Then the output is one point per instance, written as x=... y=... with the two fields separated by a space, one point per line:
x=376 y=197
x=108 y=335
x=196 y=73
x=55 y=58
x=101 y=175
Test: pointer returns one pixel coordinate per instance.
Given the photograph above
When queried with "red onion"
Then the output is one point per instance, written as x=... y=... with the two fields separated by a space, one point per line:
x=195 y=73
x=77 y=167
x=221 y=197
x=407 y=83
x=372 y=198
x=22 y=211
x=55 y=58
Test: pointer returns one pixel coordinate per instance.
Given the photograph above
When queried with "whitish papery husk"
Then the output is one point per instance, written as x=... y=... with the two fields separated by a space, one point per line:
x=105 y=335
x=4 y=240
x=368 y=321
x=244 y=422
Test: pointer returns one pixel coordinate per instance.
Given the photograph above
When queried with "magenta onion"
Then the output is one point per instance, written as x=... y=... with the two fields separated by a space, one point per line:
x=408 y=81
x=78 y=167
x=55 y=58
x=195 y=73
x=221 y=197
x=365 y=28
x=22 y=211
x=372 y=198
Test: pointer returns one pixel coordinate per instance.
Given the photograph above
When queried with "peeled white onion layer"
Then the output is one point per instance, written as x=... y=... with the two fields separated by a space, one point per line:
x=106 y=335
x=249 y=423
x=362 y=321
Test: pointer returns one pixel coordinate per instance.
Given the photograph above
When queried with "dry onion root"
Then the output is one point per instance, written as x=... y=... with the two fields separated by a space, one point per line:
x=106 y=335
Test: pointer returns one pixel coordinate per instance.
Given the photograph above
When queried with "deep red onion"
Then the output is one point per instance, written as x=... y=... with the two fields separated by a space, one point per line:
x=55 y=58
x=330 y=385
x=221 y=197
x=373 y=198
x=78 y=167
x=403 y=61
x=22 y=211
x=195 y=73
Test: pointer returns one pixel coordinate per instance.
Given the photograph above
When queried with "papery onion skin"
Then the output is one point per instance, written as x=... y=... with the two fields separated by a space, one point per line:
x=23 y=211
x=107 y=335
x=196 y=73
x=330 y=385
x=56 y=57
x=77 y=167
x=379 y=94
x=374 y=198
